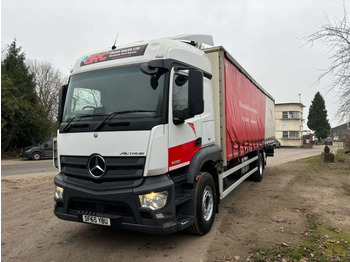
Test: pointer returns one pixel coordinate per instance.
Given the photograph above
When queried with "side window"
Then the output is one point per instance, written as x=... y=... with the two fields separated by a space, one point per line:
x=180 y=97
x=85 y=99
x=49 y=143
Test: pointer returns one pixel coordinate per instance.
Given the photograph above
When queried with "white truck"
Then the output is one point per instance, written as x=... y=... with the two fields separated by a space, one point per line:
x=154 y=134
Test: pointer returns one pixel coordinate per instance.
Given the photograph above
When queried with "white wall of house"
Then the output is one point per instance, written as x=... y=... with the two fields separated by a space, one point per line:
x=289 y=124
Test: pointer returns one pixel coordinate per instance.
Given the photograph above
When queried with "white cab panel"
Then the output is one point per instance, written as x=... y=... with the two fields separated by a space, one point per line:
x=128 y=143
x=157 y=154
x=208 y=124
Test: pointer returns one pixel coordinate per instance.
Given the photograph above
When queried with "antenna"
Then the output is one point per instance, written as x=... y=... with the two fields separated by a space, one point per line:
x=114 y=46
x=300 y=98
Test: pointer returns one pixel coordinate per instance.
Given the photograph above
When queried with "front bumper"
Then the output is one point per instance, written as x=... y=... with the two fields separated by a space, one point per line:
x=25 y=154
x=120 y=202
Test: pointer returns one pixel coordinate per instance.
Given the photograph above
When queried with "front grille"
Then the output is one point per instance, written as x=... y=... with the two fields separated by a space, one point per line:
x=117 y=168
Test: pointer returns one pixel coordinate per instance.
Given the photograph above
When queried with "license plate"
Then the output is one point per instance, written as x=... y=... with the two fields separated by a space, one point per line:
x=104 y=221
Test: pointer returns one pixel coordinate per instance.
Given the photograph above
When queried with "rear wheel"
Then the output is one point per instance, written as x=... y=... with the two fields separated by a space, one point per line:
x=205 y=205
x=36 y=156
x=258 y=175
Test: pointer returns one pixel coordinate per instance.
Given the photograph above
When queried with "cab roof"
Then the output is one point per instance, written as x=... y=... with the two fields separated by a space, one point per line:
x=178 y=48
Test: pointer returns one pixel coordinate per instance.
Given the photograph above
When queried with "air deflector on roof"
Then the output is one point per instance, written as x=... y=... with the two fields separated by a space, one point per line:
x=202 y=39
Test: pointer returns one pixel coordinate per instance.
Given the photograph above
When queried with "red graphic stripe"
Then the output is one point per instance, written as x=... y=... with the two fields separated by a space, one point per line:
x=180 y=156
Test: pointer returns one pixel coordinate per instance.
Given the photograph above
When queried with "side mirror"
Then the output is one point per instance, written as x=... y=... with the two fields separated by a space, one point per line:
x=195 y=92
x=62 y=101
x=148 y=70
x=155 y=69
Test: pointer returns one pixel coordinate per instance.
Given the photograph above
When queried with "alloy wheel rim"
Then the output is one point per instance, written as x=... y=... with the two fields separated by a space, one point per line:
x=207 y=203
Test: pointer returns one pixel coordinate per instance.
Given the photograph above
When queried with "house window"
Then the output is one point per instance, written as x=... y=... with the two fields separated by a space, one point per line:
x=291 y=134
x=291 y=114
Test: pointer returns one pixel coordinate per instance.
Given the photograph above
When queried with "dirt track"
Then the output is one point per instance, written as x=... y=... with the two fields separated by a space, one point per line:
x=256 y=214
x=275 y=212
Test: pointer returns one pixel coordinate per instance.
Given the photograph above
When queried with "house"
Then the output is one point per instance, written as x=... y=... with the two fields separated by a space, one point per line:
x=289 y=124
x=340 y=132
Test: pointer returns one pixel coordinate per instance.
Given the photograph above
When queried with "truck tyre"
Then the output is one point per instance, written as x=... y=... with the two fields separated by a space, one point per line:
x=258 y=175
x=36 y=156
x=205 y=205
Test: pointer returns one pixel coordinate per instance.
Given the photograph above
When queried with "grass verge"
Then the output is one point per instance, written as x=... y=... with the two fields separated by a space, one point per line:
x=340 y=165
x=321 y=244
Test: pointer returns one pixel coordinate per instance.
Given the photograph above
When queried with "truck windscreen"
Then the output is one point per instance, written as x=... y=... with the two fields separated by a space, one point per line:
x=123 y=93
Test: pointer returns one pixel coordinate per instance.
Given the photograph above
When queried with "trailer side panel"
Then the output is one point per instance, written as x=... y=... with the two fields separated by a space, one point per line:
x=245 y=113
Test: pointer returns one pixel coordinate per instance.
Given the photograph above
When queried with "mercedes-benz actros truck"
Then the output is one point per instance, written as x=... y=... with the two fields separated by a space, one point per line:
x=153 y=135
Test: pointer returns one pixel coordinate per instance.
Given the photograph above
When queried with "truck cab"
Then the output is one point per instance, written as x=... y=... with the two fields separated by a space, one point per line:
x=131 y=121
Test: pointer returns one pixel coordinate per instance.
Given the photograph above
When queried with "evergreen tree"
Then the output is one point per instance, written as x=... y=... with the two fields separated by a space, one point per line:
x=317 y=118
x=22 y=120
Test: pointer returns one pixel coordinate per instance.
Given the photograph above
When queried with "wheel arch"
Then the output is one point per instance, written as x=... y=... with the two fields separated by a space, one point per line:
x=205 y=160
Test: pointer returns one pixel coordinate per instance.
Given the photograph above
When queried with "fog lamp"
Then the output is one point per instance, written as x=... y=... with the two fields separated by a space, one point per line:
x=153 y=200
x=58 y=193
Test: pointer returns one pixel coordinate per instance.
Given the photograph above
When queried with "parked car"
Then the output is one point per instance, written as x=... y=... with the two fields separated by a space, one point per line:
x=40 y=151
x=276 y=143
x=328 y=141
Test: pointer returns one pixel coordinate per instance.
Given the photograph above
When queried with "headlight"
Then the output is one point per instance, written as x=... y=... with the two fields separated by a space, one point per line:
x=58 y=193
x=153 y=200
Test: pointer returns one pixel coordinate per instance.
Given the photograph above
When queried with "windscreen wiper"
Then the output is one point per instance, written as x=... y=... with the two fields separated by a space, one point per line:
x=113 y=114
x=67 y=126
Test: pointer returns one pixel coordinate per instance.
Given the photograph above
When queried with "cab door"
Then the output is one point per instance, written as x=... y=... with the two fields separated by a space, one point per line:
x=185 y=125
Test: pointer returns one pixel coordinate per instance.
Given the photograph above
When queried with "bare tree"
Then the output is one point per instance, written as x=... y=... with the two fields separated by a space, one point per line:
x=48 y=81
x=336 y=34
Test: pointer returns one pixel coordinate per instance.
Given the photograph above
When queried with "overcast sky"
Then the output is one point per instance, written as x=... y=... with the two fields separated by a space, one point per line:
x=265 y=36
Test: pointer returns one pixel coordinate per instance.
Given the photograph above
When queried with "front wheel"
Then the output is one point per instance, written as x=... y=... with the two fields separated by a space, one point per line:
x=36 y=156
x=205 y=205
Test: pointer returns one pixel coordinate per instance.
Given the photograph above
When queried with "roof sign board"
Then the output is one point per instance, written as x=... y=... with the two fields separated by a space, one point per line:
x=114 y=54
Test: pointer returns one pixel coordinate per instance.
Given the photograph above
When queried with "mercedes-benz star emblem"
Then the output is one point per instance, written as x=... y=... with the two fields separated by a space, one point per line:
x=96 y=166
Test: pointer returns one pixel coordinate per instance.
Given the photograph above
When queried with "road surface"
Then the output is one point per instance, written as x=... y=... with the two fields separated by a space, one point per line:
x=25 y=166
